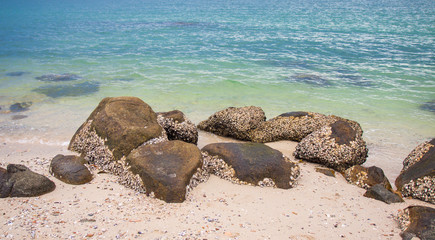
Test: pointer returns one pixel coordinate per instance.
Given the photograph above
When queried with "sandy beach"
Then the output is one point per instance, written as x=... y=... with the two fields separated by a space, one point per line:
x=319 y=207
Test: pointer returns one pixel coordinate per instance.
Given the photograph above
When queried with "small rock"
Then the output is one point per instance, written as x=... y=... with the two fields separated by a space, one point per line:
x=20 y=107
x=70 y=169
x=58 y=77
x=379 y=192
x=327 y=171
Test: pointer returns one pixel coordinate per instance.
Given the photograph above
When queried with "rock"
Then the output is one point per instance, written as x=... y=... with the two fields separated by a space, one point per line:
x=58 y=77
x=20 y=107
x=68 y=90
x=117 y=126
x=234 y=122
x=310 y=79
x=379 y=192
x=327 y=171
x=293 y=126
x=165 y=169
x=18 y=117
x=417 y=178
x=428 y=106
x=338 y=145
x=178 y=127
x=20 y=181
x=252 y=163
x=367 y=177
x=418 y=221
x=70 y=169
x=16 y=74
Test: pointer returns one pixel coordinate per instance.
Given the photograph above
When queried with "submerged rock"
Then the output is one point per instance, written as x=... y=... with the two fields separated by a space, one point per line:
x=252 y=163
x=417 y=221
x=178 y=127
x=165 y=169
x=428 y=106
x=58 y=77
x=20 y=107
x=310 y=79
x=67 y=90
x=70 y=169
x=338 y=145
x=292 y=126
x=417 y=178
x=367 y=177
x=20 y=181
x=234 y=122
x=379 y=192
x=16 y=74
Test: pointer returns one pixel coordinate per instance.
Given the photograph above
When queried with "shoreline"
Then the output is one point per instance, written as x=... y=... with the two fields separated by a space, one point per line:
x=318 y=207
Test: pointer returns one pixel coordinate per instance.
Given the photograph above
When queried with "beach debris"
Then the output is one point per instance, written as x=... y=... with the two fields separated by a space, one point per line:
x=58 y=77
x=293 y=126
x=417 y=221
x=70 y=169
x=254 y=163
x=68 y=90
x=16 y=74
x=367 y=177
x=177 y=126
x=428 y=106
x=338 y=145
x=20 y=107
x=379 y=192
x=417 y=178
x=311 y=79
x=165 y=168
x=19 y=181
x=234 y=122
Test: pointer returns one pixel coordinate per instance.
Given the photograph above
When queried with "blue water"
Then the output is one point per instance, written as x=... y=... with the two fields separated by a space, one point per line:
x=370 y=61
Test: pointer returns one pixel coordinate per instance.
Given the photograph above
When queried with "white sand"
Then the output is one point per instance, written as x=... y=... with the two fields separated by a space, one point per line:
x=320 y=207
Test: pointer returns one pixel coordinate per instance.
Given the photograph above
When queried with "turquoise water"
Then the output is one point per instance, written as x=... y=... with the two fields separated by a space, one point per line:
x=370 y=61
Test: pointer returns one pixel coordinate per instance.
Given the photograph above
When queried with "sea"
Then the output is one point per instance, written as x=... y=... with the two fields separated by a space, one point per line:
x=368 y=61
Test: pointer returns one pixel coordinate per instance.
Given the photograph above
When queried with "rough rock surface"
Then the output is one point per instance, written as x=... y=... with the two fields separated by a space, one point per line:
x=292 y=126
x=124 y=123
x=379 y=192
x=338 y=145
x=367 y=177
x=417 y=221
x=234 y=122
x=165 y=169
x=70 y=169
x=178 y=127
x=253 y=163
x=417 y=178
x=20 y=181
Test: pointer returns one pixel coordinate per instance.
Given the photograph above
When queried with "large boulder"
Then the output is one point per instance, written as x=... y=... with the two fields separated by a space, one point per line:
x=234 y=122
x=292 y=126
x=20 y=181
x=178 y=127
x=116 y=127
x=252 y=163
x=417 y=221
x=70 y=169
x=417 y=178
x=165 y=169
x=367 y=177
x=338 y=145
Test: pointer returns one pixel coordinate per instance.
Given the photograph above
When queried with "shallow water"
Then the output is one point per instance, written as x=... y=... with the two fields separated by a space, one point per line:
x=372 y=62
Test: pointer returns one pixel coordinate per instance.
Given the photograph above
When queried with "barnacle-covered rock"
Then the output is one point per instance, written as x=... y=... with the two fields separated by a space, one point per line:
x=367 y=177
x=165 y=169
x=338 y=145
x=178 y=127
x=20 y=181
x=292 y=126
x=234 y=122
x=253 y=163
x=70 y=169
x=124 y=123
x=417 y=221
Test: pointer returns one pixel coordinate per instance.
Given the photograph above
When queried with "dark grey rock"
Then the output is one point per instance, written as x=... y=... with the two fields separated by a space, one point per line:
x=428 y=106
x=58 y=77
x=379 y=192
x=421 y=223
x=70 y=169
x=20 y=107
x=254 y=162
x=68 y=90
x=166 y=168
x=310 y=79
x=16 y=74
x=20 y=181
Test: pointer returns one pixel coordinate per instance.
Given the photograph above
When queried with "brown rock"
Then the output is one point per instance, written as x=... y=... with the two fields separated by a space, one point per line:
x=70 y=169
x=421 y=223
x=367 y=177
x=178 y=127
x=166 y=168
x=379 y=192
x=254 y=162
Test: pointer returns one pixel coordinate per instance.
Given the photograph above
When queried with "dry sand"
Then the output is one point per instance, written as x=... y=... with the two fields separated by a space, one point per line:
x=319 y=207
